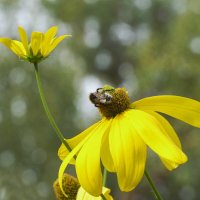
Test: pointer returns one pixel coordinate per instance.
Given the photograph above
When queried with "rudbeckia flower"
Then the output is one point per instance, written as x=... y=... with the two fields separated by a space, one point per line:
x=39 y=47
x=120 y=139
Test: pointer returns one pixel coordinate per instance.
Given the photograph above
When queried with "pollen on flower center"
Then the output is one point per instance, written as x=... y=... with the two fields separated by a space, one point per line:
x=110 y=101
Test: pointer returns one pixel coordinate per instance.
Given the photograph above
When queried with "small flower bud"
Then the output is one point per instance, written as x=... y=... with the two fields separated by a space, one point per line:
x=70 y=186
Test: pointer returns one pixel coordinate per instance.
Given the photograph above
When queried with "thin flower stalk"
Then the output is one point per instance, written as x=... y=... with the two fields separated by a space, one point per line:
x=155 y=191
x=47 y=111
x=104 y=176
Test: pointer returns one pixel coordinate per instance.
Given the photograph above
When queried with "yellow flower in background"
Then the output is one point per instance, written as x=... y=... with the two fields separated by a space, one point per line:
x=120 y=139
x=39 y=47
x=83 y=195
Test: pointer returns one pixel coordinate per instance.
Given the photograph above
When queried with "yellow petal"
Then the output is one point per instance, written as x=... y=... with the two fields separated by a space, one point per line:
x=24 y=38
x=20 y=47
x=69 y=157
x=128 y=152
x=15 y=46
x=83 y=195
x=48 y=37
x=185 y=109
x=152 y=134
x=106 y=157
x=63 y=152
x=55 y=43
x=6 y=42
x=170 y=132
x=106 y=193
x=88 y=166
x=36 y=41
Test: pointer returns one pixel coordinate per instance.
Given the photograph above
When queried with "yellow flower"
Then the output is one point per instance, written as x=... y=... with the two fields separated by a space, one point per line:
x=120 y=139
x=83 y=195
x=40 y=46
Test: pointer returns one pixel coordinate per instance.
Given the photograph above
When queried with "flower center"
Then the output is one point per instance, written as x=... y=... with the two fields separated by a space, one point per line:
x=110 y=101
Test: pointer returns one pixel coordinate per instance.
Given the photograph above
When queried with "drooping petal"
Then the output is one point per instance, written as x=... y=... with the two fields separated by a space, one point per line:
x=128 y=152
x=36 y=41
x=106 y=157
x=48 y=37
x=83 y=195
x=88 y=166
x=185 y=109
x=69 y=157
x=24 y=38
x=55 y=43
x=63 y=151
x=170 y=132
x=15 y=46
x=152 y=134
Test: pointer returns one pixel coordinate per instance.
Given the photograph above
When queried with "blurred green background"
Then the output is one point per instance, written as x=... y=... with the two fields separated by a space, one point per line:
x=151 y=47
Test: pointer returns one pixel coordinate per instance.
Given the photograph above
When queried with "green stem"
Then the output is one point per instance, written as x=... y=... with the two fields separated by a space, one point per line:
x=104 y=176
x=46 y=108
x=104 y=181
x=156 y=193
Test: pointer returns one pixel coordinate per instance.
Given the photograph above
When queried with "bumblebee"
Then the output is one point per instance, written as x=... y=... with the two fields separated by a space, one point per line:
x=100 y=97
